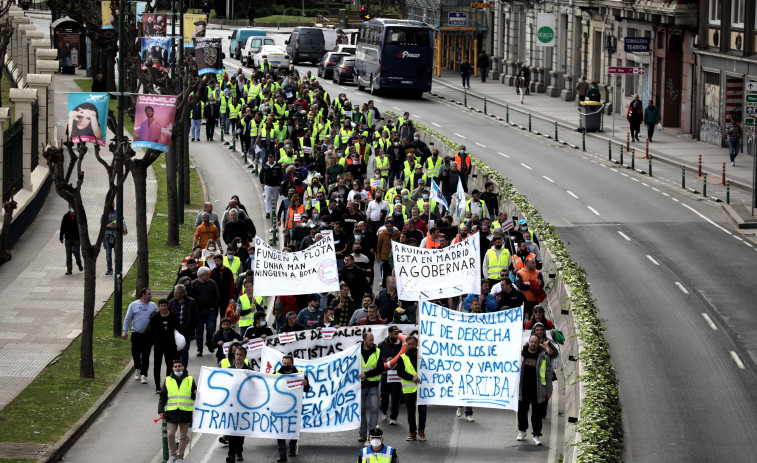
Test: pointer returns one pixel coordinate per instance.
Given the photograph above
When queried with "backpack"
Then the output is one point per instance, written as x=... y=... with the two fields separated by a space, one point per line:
x=557 y=336
x=231 y=312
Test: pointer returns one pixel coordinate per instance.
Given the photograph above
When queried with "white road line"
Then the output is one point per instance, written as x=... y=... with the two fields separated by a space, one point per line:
x=665 y=194
x=377 y=101
x=548 y=179
x=710 y=322
x=655 y=189
x=527 y=167
x=436 y=125
x=675 y=199
x=651 y=259
x=635 y=179
x=461 y=136
x=738 y=238
x=398 y=109
x=593 y=210
x=705 y=218
x=645 y=184
x=737 y=360
x=624 y=175
x=416 y=116
x=343 y=88
x=683 y=290
x=593 y=161
x=624 y=235
x=503 y=154
x=479 y=144
x=748 y=244
x=572 y=194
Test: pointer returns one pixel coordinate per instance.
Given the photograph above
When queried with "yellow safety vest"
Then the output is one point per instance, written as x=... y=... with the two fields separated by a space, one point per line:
x=543 y=371
x=371 y=364
x=225 y=363
x=497 y=265
x=483 y=207
x=433 y=168
x=408 y=387
x=368 y=455
x=179 y=396
x=431 y=207
x=234 y=266
x=235 y=111
x=344 y=135
x=223 y=104
x=255 y=127
x=246 y=320
x=383 y=165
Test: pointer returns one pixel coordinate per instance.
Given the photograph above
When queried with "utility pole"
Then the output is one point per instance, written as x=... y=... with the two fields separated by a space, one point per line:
x=183 y=140
x=118 y=278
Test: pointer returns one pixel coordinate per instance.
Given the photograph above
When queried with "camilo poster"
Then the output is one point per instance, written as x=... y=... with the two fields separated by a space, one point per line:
x=153 y=121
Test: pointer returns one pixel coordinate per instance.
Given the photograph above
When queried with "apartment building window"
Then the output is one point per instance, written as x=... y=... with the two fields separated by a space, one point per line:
x=737 y=13
x=714 y=15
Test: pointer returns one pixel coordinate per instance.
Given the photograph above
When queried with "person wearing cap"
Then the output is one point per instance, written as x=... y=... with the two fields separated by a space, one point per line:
x=416 y=180
x=389 y=348
x=310 y=317
x=370 y=377
x=224 y=335
x=288 y=368
x=259 y=328
x=376 y=451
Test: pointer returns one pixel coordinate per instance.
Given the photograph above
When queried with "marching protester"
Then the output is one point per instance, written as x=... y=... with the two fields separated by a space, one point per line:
x=138 y=317
x=370 y=379
x=535 y=388
x=162 y=326
x=288 y=368
x=390 y=348
x=407 y=370
x=177 y=396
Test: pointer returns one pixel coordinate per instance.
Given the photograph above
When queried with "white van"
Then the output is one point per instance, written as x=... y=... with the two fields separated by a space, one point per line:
x=252 y=46
x=329 y=38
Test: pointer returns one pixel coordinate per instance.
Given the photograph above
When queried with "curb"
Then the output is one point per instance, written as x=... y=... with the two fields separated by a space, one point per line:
x=64 y=444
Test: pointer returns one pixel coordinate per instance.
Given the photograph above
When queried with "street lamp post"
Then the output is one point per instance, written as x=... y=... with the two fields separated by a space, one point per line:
x=183 y=140
x=117 y=279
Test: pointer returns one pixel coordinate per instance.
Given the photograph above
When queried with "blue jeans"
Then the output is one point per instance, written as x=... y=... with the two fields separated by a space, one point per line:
x=224 y=123
x=206 y=319
x=194 y=130
x=733 y=149
x=369 y=403
x=466 y=80
x=109 y=251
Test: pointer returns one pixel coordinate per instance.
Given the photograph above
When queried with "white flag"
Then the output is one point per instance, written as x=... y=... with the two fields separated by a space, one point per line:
x=436 y=194
x=460 y=194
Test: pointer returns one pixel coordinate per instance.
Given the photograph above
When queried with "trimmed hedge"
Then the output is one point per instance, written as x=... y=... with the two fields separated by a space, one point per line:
x=600 y=422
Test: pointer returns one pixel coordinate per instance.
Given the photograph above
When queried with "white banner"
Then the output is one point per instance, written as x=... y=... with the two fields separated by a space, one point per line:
x=333 y=402
x=247 y=403
x=545 y=29
x=469 y=359
x=435 y=273
x=280 y=273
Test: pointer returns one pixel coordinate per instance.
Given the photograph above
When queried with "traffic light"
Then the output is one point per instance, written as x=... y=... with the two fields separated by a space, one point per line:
x=364 y=14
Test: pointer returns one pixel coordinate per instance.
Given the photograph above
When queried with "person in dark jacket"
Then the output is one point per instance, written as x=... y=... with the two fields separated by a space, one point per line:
x=177 y=412
x=288 y=368
x=271 y=175
x=236 y=443
x=206 y=294
x=635 y=116
x=354 y=277
x=259 y=328
x=99 y=84
x=69 y=235
x=465 y=71
x=390 y=347
x=224 y=280
x=224 y=335
x=483 y=64
x=211 y=117
x=411 y=397
x=186 y=309
x=251 y=15
x=162 y=326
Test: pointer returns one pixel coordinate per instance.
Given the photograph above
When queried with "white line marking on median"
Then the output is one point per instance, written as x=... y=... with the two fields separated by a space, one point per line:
x=675 y=199
x=645 y=184
x=683 y=290
x=738 y=238
x=652 y=260
x=705 y=218
x=624 y=175
x=737 y=360
x=624 y=235
x=479 y=144
x=572 y=194
x=635 y=179
x=665 y=194
x=461 y=136
x=398 y=109
x=710 y=322
x=527 y=167
x=548 y=179
x=655 y=189
x=593 y=210
x=436 y=125
x=503 y=154
x=416 y=116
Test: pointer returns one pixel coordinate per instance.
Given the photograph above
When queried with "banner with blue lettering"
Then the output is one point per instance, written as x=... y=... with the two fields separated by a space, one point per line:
x=469 y=359
x=333 y=402
x=248 y=403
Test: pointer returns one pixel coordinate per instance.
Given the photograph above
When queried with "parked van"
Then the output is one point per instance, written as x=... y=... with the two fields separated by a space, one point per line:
x=306 y=44
x=239 y=37
x=252 y=46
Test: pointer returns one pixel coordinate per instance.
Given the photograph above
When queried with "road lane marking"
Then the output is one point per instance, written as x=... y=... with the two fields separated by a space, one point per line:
x=624 y=235
x=738 y=238
x=377 y=101
x=624 y=175
x=527 y=167
x=435 y=124
x=548 y=179
x=461 y=136
x=593 y=210
x=710 y=322
x=503 y=154
x=572 y=194
x=655 y=189
x=652 y=260
x=398 y=109
x=705 y=218
x=479 y=144
x=737 y=360
x=665 y=194
x=645 y=184
x=635 y=179
x=416 y=116
x=675 y=199
x=683 y=290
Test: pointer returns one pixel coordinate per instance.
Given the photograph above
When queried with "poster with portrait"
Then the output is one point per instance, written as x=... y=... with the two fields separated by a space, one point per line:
x=195 y=26
x=107 y=15
x=153 y=121
x=88 y=117
x=154 y=24
x=207 y=55
x=156 y=53
x=69 y=46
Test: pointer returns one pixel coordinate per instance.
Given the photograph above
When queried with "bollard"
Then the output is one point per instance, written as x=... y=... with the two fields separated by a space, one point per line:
x=628 y=142
x=164 y=435
x=650 y=166
x=621 y=155
x=583 y=140
x=465 y=98
x=233 y=143
x=484 y=105
x=633 y=158
x=699 y=172
x=556 y=139
x=245 y=158
x=728 y=192
x=647 y=155
x=507 y=113
x=724 y=174
x=704 y=184
x=274 y=229
x=683 y=176
x=529 y=122
x=609 y=150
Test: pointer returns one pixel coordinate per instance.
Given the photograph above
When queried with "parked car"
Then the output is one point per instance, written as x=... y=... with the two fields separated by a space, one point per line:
x=344 y=71
x=276 y=55
x=306 y=44
x=239 y=37
x=327 y=63
x=349 y=49
x=252 y=46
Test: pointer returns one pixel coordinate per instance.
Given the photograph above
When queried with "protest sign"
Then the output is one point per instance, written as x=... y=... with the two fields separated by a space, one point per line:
x=207 y=55
x=156 y=53
x=153 y=121
x=434 y=273
x=247 y=403
x=333 y=402
x=469 y=359
x=154 y=24
x=88 y=117
x=107 y=15
x=280 y=273
x=194 y=26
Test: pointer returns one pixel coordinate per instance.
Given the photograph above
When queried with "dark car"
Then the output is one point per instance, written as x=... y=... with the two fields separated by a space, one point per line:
x=306 y=44
x=345 y=70
x=327 y=63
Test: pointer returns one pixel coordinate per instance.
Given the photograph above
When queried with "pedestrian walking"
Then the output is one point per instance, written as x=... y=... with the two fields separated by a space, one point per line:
x=535 y=387
x=195 y=119
x=581 y=88
x=635 y=116
x=109 y=239
x=205 y=292
x=733 y=131
x=163 y=323
x=407 y=370
x=177 y=397
x=377 y=452
x=251 y=15
x=651 y=118
x=390 y=347
x=593 y=94
x=211 y=118
x=69 y=235
x=236 y=443
x=288 y=368
x=138 y=317
x=483 y=64
x=465 y=72
x=521 y=84
x=370 y=377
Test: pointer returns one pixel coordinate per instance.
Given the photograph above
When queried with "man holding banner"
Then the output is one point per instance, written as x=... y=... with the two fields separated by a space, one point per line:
x=407 y=370
x=535 y=387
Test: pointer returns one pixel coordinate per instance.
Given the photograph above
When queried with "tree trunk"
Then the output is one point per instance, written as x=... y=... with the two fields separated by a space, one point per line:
x=172 y=199
x=186 y=164
x=86 y=362
x=139 y=174
x=110 y=67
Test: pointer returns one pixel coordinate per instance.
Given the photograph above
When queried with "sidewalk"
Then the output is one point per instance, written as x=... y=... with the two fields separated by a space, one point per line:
x=669 y=145
x=43 y=312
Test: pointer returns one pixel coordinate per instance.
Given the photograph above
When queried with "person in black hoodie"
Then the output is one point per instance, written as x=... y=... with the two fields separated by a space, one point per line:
x=288 y=368
x=370 y=377
x=390 y=347
x=177 y=412
x=162 y=326
x=224 y=335
x=69 y=234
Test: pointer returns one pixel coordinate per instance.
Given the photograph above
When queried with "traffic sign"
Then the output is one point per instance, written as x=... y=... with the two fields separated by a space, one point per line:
x=751 y=86
x=751 y=98
x=482 y=5
x=625 y=70
x=749 y=122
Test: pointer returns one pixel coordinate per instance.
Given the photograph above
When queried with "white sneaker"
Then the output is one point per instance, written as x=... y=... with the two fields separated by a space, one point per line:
x=137 y=374
x=537 y=441
x=143 y=379
x=521 y=435
x=384 y=417
x=392 y=422
x=459 y=412
x=171 y=459
x=470 y=418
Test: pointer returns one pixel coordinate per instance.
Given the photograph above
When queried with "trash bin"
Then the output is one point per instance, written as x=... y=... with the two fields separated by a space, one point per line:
x=590 y=116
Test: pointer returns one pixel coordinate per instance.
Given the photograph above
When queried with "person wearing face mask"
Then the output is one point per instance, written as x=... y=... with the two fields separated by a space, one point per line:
x=259 y=329
x=271 y=176
x=361 y=260
x=463 y=234
x=384 y=248
x=394 y=192
x=535 y=387
x=407 y=370
x=176 y=404
x=396 y=155
x=310 y=316
x=387 y=299
x=463 y=161
x=288 y=368
x=377 y=452
x=495 y=261
x=328 y=319
x=370 y=376
x=381 y=164
x=419 y=184
x=224 y=280
x=376 y=211
x=389 y=348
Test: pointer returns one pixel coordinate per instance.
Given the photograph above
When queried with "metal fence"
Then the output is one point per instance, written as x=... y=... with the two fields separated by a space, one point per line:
x=35 y=135
x=13 y=159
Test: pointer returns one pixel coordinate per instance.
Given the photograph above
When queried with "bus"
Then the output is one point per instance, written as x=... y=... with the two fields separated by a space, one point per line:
x=394 y=54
